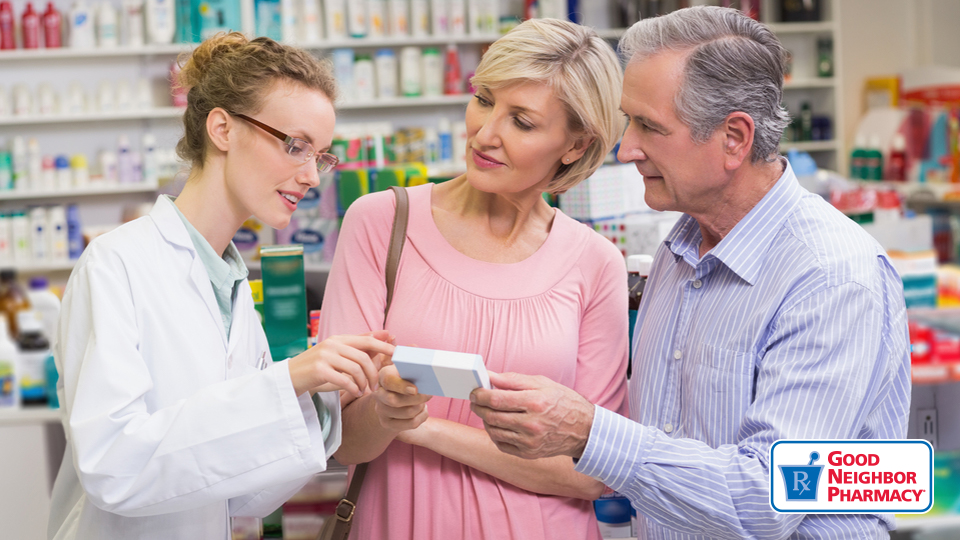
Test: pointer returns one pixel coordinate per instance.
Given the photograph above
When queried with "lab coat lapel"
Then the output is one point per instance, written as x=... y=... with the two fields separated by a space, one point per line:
x=172 y=228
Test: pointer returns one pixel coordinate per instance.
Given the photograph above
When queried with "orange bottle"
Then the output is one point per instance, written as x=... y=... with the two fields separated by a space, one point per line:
x=13 y=299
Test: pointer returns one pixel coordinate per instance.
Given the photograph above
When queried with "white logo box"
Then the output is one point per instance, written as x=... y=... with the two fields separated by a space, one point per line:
x=851 y=476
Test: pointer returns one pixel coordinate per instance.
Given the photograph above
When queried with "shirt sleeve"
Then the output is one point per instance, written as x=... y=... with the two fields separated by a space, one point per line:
x=821 y=373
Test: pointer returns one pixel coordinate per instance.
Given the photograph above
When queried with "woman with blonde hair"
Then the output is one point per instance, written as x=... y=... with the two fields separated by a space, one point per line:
x=490 y=268
x=175 y=416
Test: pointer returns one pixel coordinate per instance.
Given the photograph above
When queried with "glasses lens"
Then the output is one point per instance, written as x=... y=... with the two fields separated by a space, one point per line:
x=326 y=162
x=301 y=150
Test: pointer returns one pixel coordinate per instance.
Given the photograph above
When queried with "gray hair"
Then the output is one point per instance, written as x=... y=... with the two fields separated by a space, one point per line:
x=735 y=64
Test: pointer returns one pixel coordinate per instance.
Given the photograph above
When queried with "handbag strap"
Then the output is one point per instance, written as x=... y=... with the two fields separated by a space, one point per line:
x=348 y=505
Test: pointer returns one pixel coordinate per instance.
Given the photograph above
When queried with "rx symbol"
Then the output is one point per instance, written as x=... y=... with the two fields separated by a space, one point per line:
x=800 y=478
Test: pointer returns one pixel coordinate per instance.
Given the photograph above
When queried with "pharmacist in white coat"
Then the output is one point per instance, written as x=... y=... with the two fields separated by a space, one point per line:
x=176 y=418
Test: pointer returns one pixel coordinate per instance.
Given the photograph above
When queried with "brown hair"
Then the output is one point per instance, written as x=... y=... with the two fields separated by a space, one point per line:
x=235 y=73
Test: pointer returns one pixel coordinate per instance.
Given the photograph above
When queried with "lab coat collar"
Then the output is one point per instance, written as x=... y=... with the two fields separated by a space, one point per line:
x=164 y=214
x=171 y=227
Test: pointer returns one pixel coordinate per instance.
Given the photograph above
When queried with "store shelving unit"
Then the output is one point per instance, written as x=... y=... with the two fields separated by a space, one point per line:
x=92 y=189
x=29 y=415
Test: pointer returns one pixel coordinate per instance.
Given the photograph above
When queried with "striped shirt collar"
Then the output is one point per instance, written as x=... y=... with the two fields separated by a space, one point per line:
x=743 y=250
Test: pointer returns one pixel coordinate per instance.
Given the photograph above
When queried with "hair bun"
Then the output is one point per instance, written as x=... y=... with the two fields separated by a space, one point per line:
x=207 y=54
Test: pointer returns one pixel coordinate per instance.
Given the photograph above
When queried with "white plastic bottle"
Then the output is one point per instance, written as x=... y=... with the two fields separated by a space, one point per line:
x=445 y=141
x=310 y=22
x=288 y=21
x=107 y=36
x=399 y=17
x=151 y=167
x=18 y=157
x=39 y=239
x=457 y=17
x=108 y=166
x=34 y=165
x=160 y=18
x=419 y=18
x=125 y=172
x=439 y=14
x=377 y=18
x=57 y=227
x=9 y=376
x=364 y=84
x=81 y=26
x=357 y=18
x=20 y=232
x=386 y=64
x=6 y=241
x=34 y=348
x=45 y=303
x=432 y=73
x=335 y=18
x=410 y=71
x=132 y=26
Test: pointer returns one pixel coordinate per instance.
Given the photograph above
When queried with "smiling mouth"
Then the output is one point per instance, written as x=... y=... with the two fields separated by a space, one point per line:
x=486 y=158
x=289 y=197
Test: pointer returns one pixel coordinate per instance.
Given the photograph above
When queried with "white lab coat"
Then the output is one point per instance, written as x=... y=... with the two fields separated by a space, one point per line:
x=171 y=428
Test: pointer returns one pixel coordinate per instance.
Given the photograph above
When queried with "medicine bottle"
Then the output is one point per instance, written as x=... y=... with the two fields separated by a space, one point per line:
x=638 y=268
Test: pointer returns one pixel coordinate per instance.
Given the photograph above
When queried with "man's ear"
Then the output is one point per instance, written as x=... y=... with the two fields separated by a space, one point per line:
x=219 y=128
x=738 y=130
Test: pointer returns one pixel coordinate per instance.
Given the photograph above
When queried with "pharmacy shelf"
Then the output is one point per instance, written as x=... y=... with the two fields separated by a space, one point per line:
x=935 y=372
x=160 y=112
x=177 y=48
x=316 y=268
x=29 y=415
x=820 y=82
x=38 y=268
x=810 y=146
x=820 y=27
x=93 y=189
x=925 y=523
x=432 y=101
x=70 y=53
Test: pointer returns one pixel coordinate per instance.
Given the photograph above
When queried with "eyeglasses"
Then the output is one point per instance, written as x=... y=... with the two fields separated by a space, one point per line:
x=299 y=149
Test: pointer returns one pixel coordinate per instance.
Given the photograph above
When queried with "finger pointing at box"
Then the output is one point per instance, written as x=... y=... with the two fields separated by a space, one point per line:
x=533 y=416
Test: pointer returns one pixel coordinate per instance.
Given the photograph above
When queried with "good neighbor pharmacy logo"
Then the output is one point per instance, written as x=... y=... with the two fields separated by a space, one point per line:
x=850 y=477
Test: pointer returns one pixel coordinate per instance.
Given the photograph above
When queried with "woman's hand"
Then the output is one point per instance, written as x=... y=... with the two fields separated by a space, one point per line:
x=340 y=363
x=398 y=405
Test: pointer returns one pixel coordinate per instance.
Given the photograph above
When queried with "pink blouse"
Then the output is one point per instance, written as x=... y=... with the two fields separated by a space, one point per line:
x=562 y=313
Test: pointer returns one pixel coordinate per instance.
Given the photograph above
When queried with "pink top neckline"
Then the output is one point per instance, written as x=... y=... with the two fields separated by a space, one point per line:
x=536 y=274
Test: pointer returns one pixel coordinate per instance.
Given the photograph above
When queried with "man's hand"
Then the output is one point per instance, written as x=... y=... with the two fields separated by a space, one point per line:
x=533 y=417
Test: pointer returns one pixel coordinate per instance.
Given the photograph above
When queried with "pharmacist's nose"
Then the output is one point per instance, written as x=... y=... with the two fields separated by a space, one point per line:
x=308 y=174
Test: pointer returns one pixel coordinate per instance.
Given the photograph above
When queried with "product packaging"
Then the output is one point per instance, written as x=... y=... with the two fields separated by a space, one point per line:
x=441 y=373
x=284 y=300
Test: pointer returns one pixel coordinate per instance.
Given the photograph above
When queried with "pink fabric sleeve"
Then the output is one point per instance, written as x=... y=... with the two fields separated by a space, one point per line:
x=356 y=290
x=602 y=358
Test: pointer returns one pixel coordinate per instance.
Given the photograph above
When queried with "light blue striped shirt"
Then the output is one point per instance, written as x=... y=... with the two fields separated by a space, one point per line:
x=792 y=327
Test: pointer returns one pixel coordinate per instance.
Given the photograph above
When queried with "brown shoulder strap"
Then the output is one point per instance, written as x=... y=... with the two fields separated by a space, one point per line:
x=398 y=235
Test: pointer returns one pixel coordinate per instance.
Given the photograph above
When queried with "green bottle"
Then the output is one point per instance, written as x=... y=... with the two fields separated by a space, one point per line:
x=857 y=158
x=873 y=159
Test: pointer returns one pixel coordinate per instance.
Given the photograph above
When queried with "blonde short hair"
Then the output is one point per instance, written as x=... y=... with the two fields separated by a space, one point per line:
x=584 y=73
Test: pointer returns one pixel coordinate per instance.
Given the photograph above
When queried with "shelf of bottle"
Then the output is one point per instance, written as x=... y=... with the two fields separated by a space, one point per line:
x=40 y=267
x=174 y=49
x=908 y=522
x=817 y=82
x=425 y=101
x=28 y=415
x=176 y=112
x=809 y=146
x=935 y=372
x=92 y=189
x=818 y=27
x=310 y=268
x=136 y=114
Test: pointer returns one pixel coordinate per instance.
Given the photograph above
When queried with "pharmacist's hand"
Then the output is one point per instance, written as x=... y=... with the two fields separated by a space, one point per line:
x=340 y=363
x=533 y=416
x=398 y=405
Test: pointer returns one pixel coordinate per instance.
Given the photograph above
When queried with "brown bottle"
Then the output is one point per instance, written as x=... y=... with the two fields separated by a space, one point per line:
x=13 y=299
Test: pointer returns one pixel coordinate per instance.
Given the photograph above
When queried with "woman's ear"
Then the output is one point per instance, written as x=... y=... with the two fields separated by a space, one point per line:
x=219 y=128
x=576 y=152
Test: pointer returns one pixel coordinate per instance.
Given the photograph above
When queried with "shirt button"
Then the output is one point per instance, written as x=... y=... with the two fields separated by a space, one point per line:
x=677 y=354
x=697 y=284
x=667 y=428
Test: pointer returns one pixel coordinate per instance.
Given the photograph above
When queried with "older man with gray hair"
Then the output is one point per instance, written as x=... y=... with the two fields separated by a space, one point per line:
x=767 y=315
